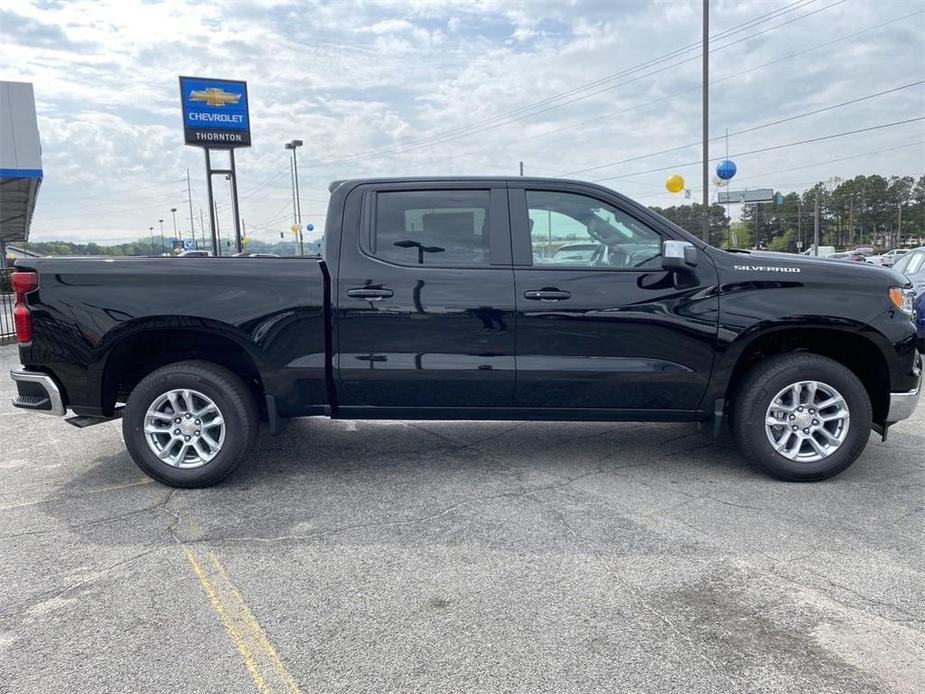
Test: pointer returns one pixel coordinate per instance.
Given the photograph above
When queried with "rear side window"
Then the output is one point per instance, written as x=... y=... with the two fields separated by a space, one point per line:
x=432 y=227
x=916 y=264
x=910 y=263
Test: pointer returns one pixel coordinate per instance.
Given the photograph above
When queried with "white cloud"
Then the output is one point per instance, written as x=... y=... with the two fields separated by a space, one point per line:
x=389 y=87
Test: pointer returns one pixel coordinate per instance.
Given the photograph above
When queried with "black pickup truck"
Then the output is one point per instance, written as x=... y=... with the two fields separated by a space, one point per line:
x=472 y=298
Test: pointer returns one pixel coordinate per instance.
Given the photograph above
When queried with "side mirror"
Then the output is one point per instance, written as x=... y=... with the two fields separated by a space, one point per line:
x=678 y=255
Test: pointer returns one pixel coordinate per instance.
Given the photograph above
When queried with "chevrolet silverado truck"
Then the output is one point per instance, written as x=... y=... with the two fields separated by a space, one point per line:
x=447 y=298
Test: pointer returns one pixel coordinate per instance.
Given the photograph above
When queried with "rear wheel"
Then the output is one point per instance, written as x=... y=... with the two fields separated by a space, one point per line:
x=802 y=417
x=190 y=424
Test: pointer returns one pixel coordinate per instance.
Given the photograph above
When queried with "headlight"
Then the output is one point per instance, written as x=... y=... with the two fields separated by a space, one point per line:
x=902 y=299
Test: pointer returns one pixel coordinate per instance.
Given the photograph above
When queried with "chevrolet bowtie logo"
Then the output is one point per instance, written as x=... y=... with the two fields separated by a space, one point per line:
x=214 y=96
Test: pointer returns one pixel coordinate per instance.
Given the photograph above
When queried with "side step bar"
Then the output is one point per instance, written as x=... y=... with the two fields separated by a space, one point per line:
x=82 y=421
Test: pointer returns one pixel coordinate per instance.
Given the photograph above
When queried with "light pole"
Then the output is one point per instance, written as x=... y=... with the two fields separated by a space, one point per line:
x=293 y=145
x=173 y=211
x=218 y=230
x=162 y=234
x=151 y=229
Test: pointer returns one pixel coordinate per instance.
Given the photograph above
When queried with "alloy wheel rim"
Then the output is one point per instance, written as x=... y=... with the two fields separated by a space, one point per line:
x=807 y=421
x=184 y=428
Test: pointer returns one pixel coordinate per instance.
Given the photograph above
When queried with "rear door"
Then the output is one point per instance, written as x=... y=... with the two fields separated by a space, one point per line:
x=605 y=328
x=425 y=297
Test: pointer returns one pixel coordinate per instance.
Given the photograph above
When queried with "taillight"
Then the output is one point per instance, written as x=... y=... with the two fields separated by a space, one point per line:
x=23 y=283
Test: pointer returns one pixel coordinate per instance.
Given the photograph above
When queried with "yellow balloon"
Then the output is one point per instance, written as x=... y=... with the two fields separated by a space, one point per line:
x=294 y=228
x=675 y=183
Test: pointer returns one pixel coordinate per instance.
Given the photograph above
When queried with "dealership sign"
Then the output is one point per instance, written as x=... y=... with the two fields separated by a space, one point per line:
x=215 y=113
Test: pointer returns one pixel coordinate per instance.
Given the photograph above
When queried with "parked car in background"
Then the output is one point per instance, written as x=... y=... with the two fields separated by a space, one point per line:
x=912 y=265
x=851 y=256
x=575 y=251
x=195 y=254
x=889 y=258
x=824 y=251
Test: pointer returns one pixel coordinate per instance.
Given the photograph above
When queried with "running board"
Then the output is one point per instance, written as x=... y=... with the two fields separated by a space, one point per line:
x=82 y=421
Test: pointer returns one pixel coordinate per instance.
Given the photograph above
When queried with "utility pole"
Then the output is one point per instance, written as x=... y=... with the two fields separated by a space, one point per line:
x=202 y=228
x=176 y=234
x=800 y=222
x=521 y=168
x=162 y=234
x=899 y=227
x=189 y=199
x=851 y=221
x=816 y=226
x=706 y=121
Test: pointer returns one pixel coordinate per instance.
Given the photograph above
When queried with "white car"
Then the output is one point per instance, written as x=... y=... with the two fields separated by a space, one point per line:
x=887 y=259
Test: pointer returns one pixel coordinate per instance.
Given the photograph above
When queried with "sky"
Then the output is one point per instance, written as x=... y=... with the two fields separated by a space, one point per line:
x=600 y=90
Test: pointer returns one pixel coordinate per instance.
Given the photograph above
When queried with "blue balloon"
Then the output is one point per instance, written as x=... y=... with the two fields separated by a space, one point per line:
x=726 y=169
x=310 y=227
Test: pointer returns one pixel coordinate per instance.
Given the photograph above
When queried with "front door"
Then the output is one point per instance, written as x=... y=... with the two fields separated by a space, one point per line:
x=425 y=299
x=600 y=324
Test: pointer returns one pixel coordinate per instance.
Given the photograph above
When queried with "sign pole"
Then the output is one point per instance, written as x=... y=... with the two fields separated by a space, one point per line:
x=215 y=247
x=189 y=199
x=234 y=203
x=216 y=116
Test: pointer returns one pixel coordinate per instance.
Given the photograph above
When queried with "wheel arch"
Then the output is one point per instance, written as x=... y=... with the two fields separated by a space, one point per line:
x=145 y=348
x=852 y=349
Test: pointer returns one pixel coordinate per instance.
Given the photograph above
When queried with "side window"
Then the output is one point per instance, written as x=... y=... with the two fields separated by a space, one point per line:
x=571 y=230
x=904 y=262
x=432 y=227
x=912 y=263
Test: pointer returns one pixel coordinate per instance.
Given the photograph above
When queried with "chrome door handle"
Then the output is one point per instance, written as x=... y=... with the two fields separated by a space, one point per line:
x=546 y=295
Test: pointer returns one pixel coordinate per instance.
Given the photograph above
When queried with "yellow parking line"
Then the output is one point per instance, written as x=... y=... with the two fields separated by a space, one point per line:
x=234 y=633
x=257 y=630
x=250 y=640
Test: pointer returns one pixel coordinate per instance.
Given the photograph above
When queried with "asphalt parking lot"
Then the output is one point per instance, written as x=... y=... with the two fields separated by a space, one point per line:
x=452 y=557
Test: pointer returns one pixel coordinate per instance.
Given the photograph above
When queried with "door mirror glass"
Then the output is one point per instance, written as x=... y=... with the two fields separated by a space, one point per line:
x=678 y=255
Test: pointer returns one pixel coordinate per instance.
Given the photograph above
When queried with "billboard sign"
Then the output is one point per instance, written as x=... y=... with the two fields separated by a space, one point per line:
x=745 y=196
x=215 y=113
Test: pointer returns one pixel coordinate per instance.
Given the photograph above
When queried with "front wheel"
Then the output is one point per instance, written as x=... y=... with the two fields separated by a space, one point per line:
x=802 y=417
x=190 y=424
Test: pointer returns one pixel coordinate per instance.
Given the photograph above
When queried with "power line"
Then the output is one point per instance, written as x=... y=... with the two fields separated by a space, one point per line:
x=751 y=129
x=668 y=97
x=490 y=123
x=679 y=51
x=818 y=163
x=768 y=149
x=124 y=191
x=117 y=207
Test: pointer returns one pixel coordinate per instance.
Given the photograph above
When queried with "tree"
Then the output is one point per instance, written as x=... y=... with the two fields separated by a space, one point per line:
x=690 y=218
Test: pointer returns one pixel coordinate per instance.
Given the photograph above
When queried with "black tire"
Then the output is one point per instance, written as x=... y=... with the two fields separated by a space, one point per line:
x=762 y=384
x=236 y=406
